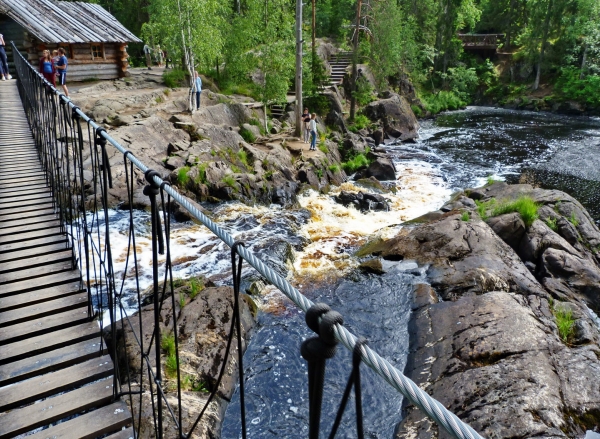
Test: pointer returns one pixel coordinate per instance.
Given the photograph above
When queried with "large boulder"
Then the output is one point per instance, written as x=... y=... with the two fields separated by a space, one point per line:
x=397 y=117
x=382 y=169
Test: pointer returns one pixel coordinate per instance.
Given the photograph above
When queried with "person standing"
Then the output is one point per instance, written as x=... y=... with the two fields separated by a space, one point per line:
x=3 y=61
x=47 y=68
x=313 y=132
x=147 y=52
x=166 y=56
x=61 y=66
x=159 y=56
x=306 y=122
x=197 y=88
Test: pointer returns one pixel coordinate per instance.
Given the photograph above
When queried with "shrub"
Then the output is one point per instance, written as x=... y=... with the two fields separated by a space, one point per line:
x=573 y=220
x=243 y=156
x=247 y=135
x=565 y=323
x=465 y=216
x=359 y=161
x=417 y=110
x=334 y=168
x=323 y=147
x=182 y=176
x=229 y=181
x=442 y=101
x=202 y=173
x=175 y=78
x=551 y=222
x=526 y=207
x=585 y=90
x=364 y=91
x=360 y=122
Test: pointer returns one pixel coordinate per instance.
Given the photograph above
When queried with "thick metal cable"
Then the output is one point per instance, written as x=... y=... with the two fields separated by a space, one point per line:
x=432 y=408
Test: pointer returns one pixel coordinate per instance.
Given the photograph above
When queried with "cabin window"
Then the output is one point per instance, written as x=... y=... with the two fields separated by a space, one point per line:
x=97 y=51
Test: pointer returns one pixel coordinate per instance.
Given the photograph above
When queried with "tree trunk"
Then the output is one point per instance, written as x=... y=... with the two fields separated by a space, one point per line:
x=538 y=74
x=583 y=61
x=355 y=62
x=298 y=69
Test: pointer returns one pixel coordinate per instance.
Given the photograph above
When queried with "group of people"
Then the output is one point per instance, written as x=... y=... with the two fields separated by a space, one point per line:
x=53 y=65
x=310 y=128
x=161 y=56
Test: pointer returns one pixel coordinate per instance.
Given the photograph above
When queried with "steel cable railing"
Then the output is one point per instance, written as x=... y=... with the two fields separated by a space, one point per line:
x=30 y=94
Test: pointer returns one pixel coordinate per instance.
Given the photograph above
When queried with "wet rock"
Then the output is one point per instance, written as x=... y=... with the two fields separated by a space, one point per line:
x=397 y=117
x=382 y=169
x=372 y=266
x=371 y=183
x=362 y=201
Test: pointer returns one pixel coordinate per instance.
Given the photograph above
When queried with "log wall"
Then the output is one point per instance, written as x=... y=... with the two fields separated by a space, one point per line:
x=82 y=64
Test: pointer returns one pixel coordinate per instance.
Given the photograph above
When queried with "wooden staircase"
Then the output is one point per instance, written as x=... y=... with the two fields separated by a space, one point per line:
x=339 y=65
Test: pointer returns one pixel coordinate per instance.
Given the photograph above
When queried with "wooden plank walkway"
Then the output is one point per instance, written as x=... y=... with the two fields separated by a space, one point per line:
x=52 y=362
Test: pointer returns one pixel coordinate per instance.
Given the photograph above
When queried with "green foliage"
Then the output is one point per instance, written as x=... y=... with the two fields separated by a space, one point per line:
x=202 y=173
x=181 y=300
x=527 y=208
x=461 y=81
x=168 y=345
x=334 y=168
x=323 y=148
x=353 y=165
x=174 y=78
x=194 y=384
x=247 y=135
x=159 y=99
x=585 y=90
x=243 y=156
x=196 y=286
x=319 y=173
x=573 y=220
x=182 y=176
x=465 y=216
x=484 y=206
x=491 y=180
x=565 y=322
x=551 y=222
x=229 y=181
x=360 y=122
x=364 y=91
x=442 y=101
x=417 y=110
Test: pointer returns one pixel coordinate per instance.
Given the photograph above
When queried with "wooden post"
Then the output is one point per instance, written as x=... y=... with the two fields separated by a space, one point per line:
x=298 y=68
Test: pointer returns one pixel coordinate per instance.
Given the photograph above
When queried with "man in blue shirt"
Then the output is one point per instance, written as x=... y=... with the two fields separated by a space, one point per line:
x=61 y=67
x=197 y=89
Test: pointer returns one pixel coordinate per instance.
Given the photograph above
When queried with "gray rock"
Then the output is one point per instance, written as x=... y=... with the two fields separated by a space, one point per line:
x=174 y=162
x=538 y=238
x=382 y=169
x=509 y=227
x=253 y=129
x=397 y=117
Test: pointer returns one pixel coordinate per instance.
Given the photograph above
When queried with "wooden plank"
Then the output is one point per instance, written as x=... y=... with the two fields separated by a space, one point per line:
x=40 y=295
x=26 y=227
x=24 y=215
x=40 y=282
x=33 y=328
x=31 y=245
x=49 y=361
x=10 y=197
x=54 y=382
x=32 y=273
x=26 y=208
x=53 y=409
x=14 y=203
x=26 y=222
x=41 y=251
x=91 y=425
x=123 y=434
x=20 y=173
x=7 y=239
x=6 y=267
x=39 y=310
x=32 y=188
x=46 y=342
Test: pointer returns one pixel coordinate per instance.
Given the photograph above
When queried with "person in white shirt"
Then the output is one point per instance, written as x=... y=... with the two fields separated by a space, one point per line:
x=147 y=51
x=197 y=89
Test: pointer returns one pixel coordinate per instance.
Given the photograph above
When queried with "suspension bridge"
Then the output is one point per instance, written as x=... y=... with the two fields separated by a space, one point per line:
x=58 y=378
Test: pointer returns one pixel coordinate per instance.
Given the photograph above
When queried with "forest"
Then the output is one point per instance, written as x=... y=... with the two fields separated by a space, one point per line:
x=549 y=48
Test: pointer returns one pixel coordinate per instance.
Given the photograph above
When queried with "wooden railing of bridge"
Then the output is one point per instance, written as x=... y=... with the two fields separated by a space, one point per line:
x=481 y=41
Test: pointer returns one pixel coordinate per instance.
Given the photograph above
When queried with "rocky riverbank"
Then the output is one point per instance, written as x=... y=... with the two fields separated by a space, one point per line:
x=505 y=335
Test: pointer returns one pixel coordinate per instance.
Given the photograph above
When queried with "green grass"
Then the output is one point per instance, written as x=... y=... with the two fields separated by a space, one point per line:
x=201 y=178
x=465 y=216
x=167 y=91
x=182 y=176
x=168 y=345
x=229 y=181
x=323 y=148
x=243 y=156
x=573 y=220
x=181 y=300
x=525 y=206
x=247 y=135
x=565 y=323
x=484 y=206
x=334 y=168
x=491 y=180
x=196 y=285
x=159 y=99
x=551 y=222
x=319 y=173
x=174 y=78
x=359 y=161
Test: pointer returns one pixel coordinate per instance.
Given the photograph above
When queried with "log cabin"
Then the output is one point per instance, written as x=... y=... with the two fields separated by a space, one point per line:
x=94 y=41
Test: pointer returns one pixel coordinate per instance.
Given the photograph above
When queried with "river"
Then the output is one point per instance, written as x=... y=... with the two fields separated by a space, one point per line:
x=313 y=246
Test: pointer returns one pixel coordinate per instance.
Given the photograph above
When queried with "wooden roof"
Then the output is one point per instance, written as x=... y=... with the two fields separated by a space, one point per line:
x=67 y=22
